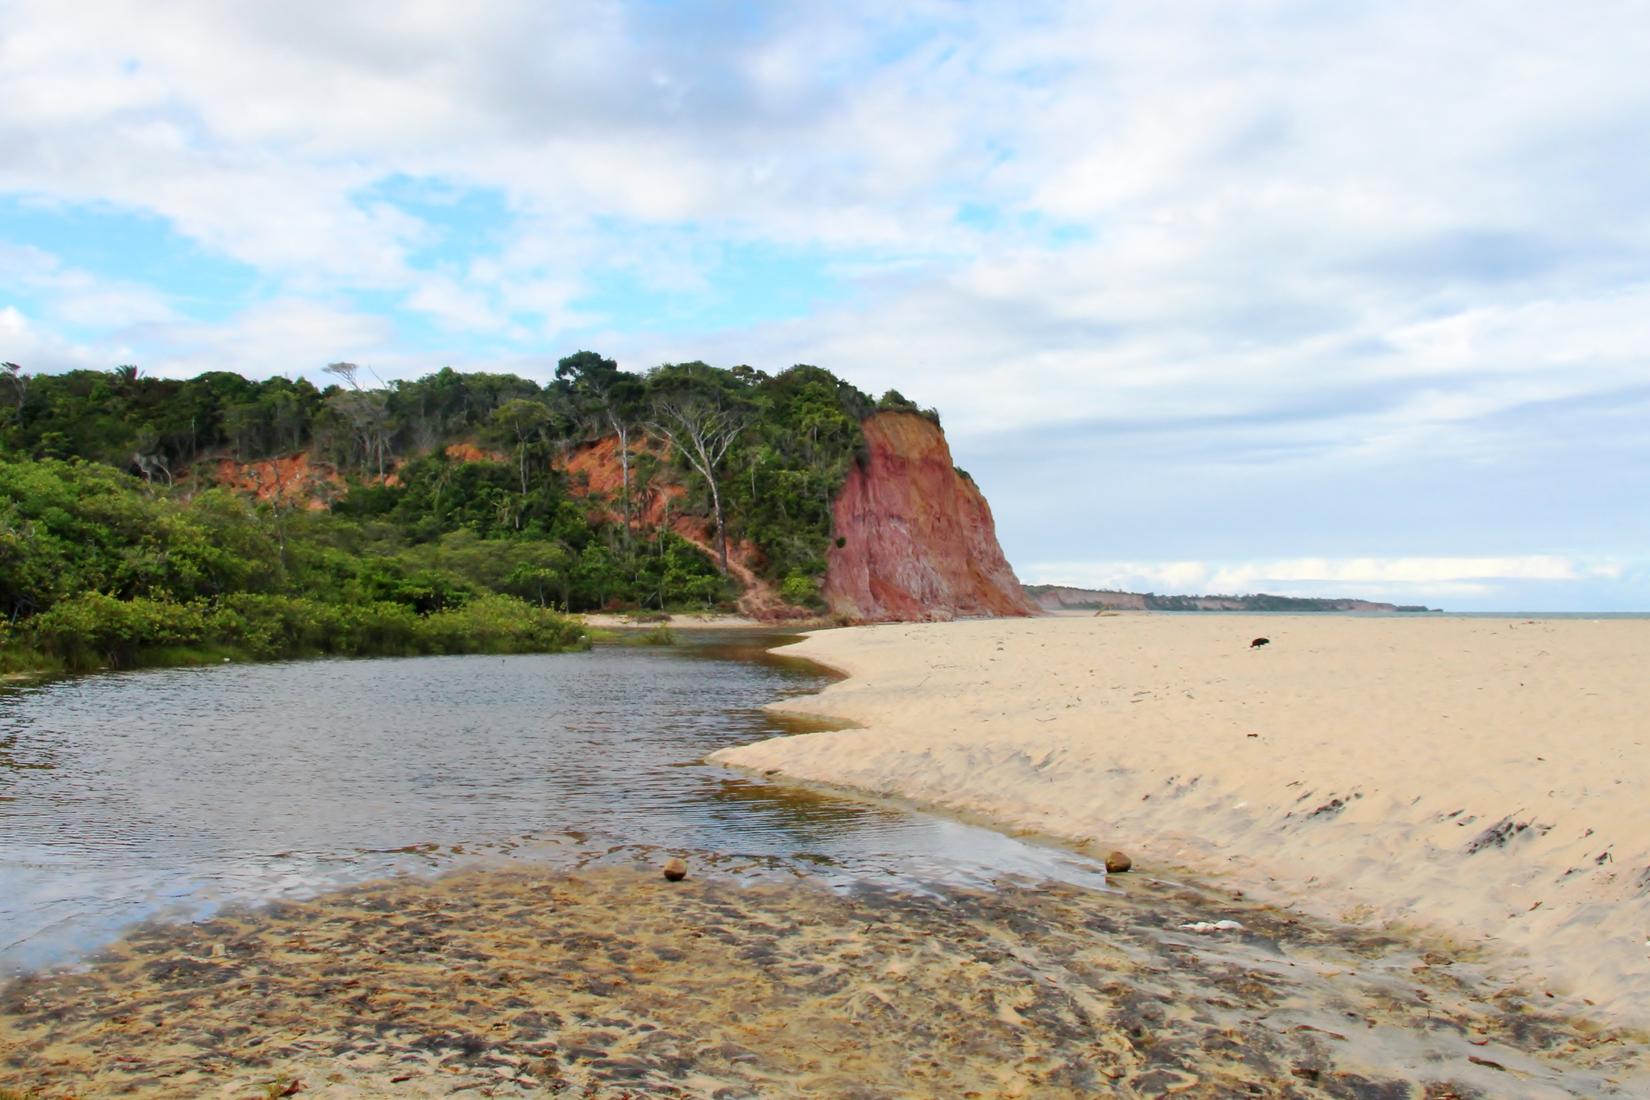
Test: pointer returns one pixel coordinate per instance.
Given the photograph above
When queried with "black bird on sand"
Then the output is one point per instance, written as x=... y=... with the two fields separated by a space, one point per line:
x=1258 y=642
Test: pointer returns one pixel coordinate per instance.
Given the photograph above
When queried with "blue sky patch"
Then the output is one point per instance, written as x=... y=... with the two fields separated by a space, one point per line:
x=462 y=223
x=743 y=284
x=132 y=247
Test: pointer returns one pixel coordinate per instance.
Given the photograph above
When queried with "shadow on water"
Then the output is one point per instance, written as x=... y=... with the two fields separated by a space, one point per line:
x=169 y=793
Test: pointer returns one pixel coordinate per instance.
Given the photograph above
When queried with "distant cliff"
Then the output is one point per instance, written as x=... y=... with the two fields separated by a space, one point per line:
x=914 y=537
x=1052 y=597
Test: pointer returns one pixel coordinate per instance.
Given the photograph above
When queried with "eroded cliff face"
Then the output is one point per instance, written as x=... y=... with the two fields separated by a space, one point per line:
x=594 y=470
x=596 y=473
x=918 y=541
x=294 y=479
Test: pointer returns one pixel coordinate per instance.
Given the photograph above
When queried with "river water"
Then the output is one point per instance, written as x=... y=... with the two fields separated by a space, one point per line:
x=170 y=793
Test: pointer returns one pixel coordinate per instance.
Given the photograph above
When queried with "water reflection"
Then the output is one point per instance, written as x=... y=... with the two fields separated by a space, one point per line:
x=124 y=796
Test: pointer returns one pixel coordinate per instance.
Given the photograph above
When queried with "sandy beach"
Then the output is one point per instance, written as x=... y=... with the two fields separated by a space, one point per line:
x=1485 y=779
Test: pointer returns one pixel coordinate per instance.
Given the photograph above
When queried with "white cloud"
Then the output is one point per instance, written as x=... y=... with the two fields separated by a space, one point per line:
x=287 y=336
x=24 y=342
x=455 y=307
x=79 y=297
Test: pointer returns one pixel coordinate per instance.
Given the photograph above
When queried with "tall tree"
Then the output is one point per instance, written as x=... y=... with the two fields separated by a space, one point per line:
x=18 y=382
x=521 y=421
x=345 y=372
x=701 y=426
x=366 y=411
x=610 y=398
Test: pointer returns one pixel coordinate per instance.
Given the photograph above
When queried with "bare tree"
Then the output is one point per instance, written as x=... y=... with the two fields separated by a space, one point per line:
x=701 y=429
x=151 y=464
x=149 y=458
x=621 y=428
x=367 y=412
x=368 y=417
x=345 y=371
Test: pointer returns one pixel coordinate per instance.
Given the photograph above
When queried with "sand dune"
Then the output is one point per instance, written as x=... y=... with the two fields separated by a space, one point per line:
x=1483 y=778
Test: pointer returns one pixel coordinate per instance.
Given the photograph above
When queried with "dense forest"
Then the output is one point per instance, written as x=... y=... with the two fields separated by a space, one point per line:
x=119 y=544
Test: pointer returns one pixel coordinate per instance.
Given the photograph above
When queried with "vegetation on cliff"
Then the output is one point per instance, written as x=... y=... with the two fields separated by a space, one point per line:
x=446 y=517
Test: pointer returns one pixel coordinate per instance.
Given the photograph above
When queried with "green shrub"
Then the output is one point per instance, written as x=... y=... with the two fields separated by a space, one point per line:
x=276 y=626
x=377 y=628
x=498 y=624
x=801 y=589
x=92 y=628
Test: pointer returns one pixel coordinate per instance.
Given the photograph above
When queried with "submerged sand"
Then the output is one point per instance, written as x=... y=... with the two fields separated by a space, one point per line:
x=613 y=983
x=1484 y=778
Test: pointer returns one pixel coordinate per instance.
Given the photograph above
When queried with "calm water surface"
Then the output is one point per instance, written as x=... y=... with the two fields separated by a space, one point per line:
x=171 y=792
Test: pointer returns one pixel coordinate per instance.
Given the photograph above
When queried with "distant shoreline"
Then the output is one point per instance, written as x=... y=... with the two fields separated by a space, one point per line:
x=1059 y=597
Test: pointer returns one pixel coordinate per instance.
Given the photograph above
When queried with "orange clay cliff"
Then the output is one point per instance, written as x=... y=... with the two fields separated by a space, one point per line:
x=914 y=537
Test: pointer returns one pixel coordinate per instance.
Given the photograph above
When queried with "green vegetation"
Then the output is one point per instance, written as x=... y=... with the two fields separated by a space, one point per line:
x=98 y=570
x=117 y=547
x=654 y=635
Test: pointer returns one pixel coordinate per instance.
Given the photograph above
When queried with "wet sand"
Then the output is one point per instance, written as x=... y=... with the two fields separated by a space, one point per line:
x=610 y=982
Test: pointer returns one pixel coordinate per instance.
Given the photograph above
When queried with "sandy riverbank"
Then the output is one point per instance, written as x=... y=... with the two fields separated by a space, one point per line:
x=1485 y=778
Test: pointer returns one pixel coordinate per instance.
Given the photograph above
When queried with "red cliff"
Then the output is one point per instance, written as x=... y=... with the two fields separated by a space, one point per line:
x=285 y=479
x=918 y=542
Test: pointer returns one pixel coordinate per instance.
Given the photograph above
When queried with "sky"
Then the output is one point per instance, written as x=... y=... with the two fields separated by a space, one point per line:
x=1306 y=298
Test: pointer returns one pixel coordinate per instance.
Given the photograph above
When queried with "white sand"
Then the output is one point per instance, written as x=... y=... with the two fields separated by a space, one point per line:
x=1348 y=768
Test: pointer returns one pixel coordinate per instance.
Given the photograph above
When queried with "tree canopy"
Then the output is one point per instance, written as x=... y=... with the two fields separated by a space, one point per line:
x=108 y=486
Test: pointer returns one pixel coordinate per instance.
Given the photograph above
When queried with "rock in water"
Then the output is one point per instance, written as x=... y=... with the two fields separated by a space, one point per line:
x=1118 y=862
x=675 y=870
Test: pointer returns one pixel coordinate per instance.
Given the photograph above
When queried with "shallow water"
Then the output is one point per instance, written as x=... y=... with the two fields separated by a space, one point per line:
x=173 y=792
